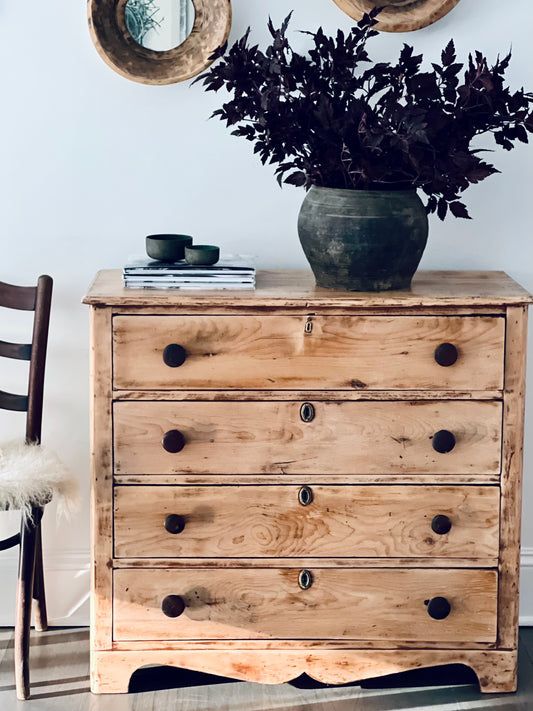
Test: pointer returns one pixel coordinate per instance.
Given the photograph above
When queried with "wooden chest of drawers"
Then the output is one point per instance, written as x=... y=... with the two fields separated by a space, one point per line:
x=296 y=480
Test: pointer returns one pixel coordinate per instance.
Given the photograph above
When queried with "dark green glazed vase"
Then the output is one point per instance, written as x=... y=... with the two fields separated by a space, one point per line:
x=363 y=240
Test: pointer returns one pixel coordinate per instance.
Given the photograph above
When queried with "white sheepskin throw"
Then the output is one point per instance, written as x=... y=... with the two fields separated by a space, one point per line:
x=31 y=474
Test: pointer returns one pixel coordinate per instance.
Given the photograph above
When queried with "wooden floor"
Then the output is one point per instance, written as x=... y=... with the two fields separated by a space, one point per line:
x=60 y=681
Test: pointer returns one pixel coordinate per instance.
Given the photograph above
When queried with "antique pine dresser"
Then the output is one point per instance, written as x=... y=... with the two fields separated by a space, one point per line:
x=294 y=480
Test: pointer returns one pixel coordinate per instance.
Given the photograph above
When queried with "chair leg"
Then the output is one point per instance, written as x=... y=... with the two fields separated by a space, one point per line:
x=40 y=617
x=23 y=605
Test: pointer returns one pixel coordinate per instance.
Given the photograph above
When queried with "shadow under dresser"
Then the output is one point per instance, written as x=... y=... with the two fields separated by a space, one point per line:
x=294 y=480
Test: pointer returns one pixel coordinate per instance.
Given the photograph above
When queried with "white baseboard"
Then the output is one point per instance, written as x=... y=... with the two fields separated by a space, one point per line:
x=67 y=587
x=526 y=587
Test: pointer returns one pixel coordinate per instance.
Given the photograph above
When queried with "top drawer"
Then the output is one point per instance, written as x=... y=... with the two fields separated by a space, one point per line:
x=280 y=352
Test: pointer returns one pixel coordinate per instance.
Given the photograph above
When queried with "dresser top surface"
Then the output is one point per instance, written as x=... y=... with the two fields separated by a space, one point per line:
x=296 y=288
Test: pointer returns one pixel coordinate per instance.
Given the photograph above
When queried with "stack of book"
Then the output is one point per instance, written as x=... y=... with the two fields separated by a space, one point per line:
x=228 y=273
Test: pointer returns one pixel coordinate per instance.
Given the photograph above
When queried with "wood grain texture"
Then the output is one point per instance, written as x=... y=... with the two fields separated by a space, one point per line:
x=399 y=15
x=288 y=289
x=343 y=438
x=303 y=395
x=101 y=481
x=118 y=49
x=317 y=352
x=61 y=674
x=349 y=604
x=312 y=645
x=62 y=664
x=270 y=521
x=303 y=479
x=247 y=453
x=306 y=562
x=511 y=484
x=496 y=670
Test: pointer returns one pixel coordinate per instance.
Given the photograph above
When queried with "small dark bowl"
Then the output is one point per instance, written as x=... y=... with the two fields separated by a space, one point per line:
x=167 y=248
x=202 y=254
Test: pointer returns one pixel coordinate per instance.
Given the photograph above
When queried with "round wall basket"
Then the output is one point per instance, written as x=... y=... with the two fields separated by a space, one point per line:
x=116 y=46
x=399 y=15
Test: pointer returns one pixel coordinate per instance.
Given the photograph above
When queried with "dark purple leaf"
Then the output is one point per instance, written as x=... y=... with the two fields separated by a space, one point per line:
x=285 y=23
x=449 y=95
x=431 y=204
x=447 y=56
x=442 y=208
x=521 y=134
x=298 y=178
x=458 y=209
x=501 y=140
x=480 y=172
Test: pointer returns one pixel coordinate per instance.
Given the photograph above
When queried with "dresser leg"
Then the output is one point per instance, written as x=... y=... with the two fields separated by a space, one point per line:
x=111 y=672
x=497 y=678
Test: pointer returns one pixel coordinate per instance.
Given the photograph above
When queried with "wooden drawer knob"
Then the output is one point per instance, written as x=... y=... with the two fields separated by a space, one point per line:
x=174 y=523
x=446 y=354
x=438 y=608
x=174 y=355
x=441 y=524
x=173 y=441
x=172 y=606
x=443 y=441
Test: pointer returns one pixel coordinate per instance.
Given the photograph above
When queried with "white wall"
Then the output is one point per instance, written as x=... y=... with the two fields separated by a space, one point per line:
x=90 y=163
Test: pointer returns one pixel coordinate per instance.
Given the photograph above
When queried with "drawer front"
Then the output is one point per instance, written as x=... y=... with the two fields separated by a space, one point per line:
x=270 y=603
x=307 y=352
x=341 y=437
x=292 y=521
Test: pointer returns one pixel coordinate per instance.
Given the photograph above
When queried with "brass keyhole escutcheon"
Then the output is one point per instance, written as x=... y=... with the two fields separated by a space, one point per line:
x=305 y=495
x=305 y=579
x=307 y=412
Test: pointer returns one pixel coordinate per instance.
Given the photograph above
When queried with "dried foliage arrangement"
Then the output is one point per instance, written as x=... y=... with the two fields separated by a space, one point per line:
x=333 y=118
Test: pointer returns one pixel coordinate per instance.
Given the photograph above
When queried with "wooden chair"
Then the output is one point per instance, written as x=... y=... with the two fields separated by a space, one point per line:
x=30 y=575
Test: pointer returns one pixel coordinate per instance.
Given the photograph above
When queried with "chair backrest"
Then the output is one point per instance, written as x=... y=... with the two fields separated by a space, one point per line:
x=38 y=299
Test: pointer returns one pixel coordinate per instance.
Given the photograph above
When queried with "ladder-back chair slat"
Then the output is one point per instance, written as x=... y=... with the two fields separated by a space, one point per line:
x=18 y=297
x=10 y=401
x=17 y=351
